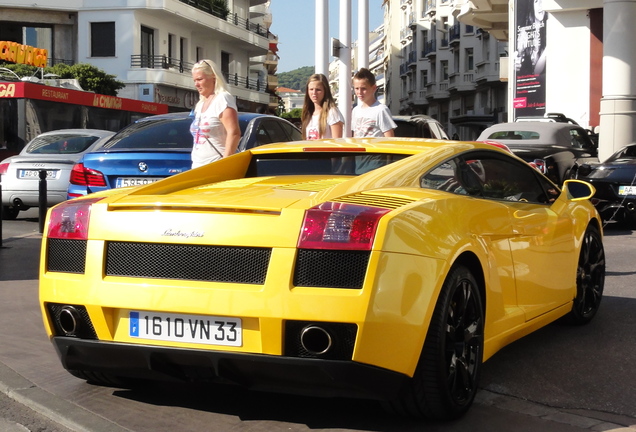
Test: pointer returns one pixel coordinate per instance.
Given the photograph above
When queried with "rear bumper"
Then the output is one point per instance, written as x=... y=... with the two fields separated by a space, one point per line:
x=28 y=199
x=301 y=376
x=616 y=210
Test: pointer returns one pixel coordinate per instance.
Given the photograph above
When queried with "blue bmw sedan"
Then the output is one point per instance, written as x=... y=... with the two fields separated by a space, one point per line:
x=159 y=146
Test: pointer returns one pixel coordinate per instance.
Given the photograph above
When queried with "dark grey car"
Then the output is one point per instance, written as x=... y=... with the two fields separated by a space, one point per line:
x=556 y=149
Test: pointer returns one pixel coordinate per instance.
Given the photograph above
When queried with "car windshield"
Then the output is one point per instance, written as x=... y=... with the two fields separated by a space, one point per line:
x=152 y=135
x=323 y=163
x=514 y=135
x=60 y=144
x=628 y=152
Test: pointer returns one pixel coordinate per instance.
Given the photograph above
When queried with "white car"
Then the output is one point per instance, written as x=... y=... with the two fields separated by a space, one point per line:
x=55 y=152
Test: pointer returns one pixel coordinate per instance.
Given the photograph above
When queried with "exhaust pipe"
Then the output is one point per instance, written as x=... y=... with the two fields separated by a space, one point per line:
x=69 y=320
x=316 y=340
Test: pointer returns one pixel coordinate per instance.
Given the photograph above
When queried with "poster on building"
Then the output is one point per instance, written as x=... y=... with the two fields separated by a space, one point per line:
x=529 y=58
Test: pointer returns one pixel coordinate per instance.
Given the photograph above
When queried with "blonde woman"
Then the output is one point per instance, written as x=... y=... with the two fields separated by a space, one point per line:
x=215 y=127
x=320 y=117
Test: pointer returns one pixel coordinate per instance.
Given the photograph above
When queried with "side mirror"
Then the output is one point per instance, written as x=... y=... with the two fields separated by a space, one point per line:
x=578 y=190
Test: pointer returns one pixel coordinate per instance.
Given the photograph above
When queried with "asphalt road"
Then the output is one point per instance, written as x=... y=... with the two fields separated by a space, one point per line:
x=560 y=378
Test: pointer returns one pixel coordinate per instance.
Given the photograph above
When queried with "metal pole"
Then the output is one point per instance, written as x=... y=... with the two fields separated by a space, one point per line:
x=42 y=199
x=1 y=211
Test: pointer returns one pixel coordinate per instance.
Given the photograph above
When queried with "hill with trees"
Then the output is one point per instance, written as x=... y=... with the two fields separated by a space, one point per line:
x=295 y=79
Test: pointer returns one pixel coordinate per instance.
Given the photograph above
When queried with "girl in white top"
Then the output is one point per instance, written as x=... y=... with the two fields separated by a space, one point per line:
x=215 y=127
x=320 y=117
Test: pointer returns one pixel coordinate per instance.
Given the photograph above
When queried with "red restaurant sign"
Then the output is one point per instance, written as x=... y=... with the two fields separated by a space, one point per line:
x=57 y=94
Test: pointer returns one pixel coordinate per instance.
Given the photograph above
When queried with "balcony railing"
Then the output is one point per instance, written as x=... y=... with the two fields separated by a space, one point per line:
x=430 y=46
x=205 y=6
x=164 y=62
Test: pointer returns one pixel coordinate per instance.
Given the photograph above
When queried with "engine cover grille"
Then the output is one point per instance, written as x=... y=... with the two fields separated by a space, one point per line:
x=188 y=262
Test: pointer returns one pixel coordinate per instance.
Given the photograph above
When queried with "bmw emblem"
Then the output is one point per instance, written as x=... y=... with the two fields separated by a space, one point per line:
x=143 y=167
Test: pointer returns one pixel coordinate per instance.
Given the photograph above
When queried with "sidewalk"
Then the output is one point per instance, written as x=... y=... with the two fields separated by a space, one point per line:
x=32 y=371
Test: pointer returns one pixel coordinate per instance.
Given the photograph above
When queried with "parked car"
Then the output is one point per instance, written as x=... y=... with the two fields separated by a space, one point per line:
x=55 y=152
x=615 y=183
x=556 y=148
x=380 y=268
x=419 y=126
x=159 y=146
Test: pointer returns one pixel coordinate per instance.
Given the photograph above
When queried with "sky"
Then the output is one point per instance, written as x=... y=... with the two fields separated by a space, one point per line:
x=294 y=22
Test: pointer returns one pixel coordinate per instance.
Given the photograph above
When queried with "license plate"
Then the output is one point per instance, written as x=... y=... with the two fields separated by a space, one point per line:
x=202 y=329
x=135 y=181
x=627 y=190
x=35 y=174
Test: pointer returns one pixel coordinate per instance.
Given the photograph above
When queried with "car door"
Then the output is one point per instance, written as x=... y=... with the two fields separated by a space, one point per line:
x=542 y=246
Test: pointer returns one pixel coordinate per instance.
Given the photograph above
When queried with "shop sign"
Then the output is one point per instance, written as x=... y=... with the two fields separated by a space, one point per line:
x=23 y=54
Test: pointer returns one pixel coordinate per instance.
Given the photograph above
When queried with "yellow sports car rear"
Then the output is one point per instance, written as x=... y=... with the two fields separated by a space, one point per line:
x=387 y=269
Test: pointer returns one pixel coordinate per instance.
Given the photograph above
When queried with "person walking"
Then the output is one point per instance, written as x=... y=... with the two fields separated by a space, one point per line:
x=369 y=117
x=320 y=117
x=215 y=126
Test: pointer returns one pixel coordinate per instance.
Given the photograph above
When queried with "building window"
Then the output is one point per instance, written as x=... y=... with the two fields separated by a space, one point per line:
x=456 y=61
x=469 y=61
x=147 y=47
x=444 y=66
x=423 y=78
x=103 y=39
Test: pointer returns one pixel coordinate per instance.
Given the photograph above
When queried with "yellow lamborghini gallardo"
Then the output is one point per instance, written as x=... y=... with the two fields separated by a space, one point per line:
x=378 y=268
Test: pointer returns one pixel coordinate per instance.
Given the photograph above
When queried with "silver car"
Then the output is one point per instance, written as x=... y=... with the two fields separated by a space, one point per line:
x=55 y=152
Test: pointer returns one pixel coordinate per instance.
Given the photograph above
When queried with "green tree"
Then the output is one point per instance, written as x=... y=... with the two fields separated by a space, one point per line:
x=295 y=79
x=89 y=77
x=219 y=8
x=294 y=114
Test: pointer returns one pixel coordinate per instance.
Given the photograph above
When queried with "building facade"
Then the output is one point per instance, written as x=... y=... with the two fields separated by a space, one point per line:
x=152 y=46
x=442 y=67
x=590 y=70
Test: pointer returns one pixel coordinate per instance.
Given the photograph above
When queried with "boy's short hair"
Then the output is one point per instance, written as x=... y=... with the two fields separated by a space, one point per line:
x=365 y=74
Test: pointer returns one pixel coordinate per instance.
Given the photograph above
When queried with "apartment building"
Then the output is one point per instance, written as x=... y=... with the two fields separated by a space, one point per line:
x=152 y=46
x=438 y=66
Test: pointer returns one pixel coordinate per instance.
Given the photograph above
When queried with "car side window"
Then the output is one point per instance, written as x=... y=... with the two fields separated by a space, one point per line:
x=491 y=176
x=270 y=132
x=580 y=139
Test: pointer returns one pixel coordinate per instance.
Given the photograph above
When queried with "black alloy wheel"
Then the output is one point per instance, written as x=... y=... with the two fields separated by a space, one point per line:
x=590 y=278
x=446 y=379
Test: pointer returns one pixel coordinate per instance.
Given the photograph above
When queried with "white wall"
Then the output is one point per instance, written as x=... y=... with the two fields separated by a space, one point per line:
x=568 y=65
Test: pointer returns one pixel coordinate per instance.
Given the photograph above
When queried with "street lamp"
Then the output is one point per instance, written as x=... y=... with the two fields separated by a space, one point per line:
x=4 y=70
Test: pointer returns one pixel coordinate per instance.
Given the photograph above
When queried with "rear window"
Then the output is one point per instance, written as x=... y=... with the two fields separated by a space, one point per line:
x=514 y=135
x=152 y=135
x=319 y=163
x=60 y=144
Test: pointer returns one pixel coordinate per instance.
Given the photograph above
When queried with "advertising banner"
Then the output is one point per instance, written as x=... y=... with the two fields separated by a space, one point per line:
x=529 y=57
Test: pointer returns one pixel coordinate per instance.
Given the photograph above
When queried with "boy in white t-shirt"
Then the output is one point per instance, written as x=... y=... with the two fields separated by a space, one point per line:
x=369 y=118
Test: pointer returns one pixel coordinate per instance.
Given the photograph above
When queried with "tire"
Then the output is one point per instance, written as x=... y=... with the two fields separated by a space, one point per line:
x=9 y=213
x=590 y=278
x=103 y=379
x=447 y=375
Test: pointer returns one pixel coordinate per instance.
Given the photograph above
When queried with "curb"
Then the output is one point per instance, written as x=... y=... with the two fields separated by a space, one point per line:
x=55 y=408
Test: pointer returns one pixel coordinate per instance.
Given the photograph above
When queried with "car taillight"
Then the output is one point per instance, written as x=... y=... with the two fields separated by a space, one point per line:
x=82 y=176
x=4 y=167
x=70 y=219
x=540 y=165
x=340 y=226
